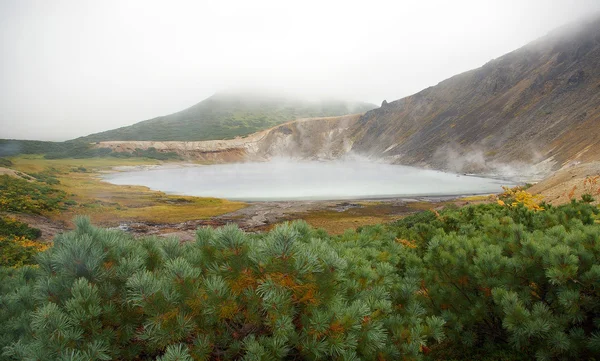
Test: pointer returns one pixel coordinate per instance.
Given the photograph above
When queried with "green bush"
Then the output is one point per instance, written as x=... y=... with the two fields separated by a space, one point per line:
x=16 y=251
x=5 y=162
x=48 y=177
x=73 y=149
x=486 y=282
x=102 y=295
x=509 y=278
x=19 y=195
x=17 y=247
x=12 y=227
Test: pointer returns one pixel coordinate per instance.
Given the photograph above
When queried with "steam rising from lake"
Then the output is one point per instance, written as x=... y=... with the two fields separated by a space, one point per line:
x=305 y=180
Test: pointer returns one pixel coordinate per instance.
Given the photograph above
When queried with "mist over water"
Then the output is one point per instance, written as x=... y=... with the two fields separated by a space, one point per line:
x=305 y=180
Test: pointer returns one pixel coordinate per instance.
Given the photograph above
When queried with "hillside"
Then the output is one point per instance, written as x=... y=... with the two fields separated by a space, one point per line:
x=312 y=138
x=525 y=114
x=225 y=116
x=540 y=102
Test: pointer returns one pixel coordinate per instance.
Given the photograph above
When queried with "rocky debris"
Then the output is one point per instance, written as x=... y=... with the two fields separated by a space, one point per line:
x=344 y=206
x=13 y=173
x=49 y=228
x=536 y=103
x=571 y=178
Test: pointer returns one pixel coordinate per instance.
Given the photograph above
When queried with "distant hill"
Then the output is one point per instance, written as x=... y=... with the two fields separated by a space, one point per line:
x=540 y=102
x=526 y=113
x=225 y=116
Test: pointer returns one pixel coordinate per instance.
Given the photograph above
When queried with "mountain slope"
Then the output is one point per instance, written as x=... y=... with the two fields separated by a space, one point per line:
x=539 y=102
x=528 y=112
x=225 y=116
x=312 y=138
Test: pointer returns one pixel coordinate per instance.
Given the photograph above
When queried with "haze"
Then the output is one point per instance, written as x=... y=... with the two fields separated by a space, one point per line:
x=70 y=68
x=290 y=179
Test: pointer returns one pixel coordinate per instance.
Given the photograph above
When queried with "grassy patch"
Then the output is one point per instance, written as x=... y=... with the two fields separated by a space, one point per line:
x=11 y=227
x=19 y=195
x=109 y=204
x=37 y=163
x=5 y=162
x=478 y=198
x=369 y=213
x=16 y=245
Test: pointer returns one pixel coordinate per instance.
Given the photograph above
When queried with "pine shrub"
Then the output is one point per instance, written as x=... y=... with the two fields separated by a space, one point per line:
x=481 y=282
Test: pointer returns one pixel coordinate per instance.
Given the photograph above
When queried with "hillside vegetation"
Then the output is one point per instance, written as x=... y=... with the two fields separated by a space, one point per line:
x=225 y=116
x=511 y=281
x=74 y=149
x=29 y=194
x=62 y=188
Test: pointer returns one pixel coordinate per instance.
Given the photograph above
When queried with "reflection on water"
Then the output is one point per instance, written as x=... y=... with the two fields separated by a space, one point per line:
x=287 y=180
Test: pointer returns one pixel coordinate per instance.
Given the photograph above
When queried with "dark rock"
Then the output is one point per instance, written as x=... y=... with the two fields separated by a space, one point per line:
x=576 y=78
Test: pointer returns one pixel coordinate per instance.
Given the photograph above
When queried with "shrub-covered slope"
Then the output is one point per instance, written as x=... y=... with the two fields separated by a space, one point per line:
x=489 y=281
x=74 y=149
x=225 y=116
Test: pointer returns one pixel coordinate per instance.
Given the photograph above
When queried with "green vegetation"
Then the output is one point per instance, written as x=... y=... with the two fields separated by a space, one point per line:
x=510 y=280
x=108 y=204
x=16 y=243
x=491 y=281
x=225 y=116
x=72 y=149
x=336 y=222
x=101 y=295
x=5 y=162
x=10 y=147
x=20 y=195
x=218 y=117
x=33 y=196
x=12 y=227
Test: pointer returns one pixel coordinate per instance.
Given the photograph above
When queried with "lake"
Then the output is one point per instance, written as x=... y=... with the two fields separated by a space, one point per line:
x=305 y=180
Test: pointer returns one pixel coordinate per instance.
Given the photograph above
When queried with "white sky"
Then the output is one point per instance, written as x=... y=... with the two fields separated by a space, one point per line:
x=70 y=68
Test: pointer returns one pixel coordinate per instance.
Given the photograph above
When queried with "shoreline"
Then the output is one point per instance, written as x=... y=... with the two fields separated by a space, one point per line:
x=106 y=176
x=263 y=215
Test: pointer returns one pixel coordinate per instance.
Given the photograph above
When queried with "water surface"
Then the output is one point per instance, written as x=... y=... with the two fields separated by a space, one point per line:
x=310 y=180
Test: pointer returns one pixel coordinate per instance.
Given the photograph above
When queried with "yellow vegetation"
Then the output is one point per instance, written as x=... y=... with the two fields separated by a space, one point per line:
x=512 y=197
x=108 y=204
x=370 y=213
x=406 y=243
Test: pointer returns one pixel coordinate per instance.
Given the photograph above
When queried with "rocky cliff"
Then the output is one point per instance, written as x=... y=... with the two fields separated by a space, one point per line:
x=540 y=102
x=533 y=110
x=313 y=138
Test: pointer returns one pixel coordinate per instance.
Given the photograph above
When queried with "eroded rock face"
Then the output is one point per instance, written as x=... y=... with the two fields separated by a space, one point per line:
x=314 y=138
x=537 y=103
x=534 y=109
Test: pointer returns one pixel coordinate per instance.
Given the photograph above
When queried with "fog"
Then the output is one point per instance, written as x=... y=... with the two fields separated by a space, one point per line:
x=283 y=179
x=70 y=68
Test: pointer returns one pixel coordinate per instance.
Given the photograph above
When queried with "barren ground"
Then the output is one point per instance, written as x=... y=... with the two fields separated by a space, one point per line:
x=569 y=182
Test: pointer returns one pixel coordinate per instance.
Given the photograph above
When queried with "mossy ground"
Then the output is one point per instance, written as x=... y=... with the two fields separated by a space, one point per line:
x=109 y=204
x=369 y=213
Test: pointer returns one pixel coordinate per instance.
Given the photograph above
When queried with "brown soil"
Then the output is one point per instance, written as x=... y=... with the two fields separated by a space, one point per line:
x=568 y=183
x=49 y=228
x=9 y=172
x=333 y=216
